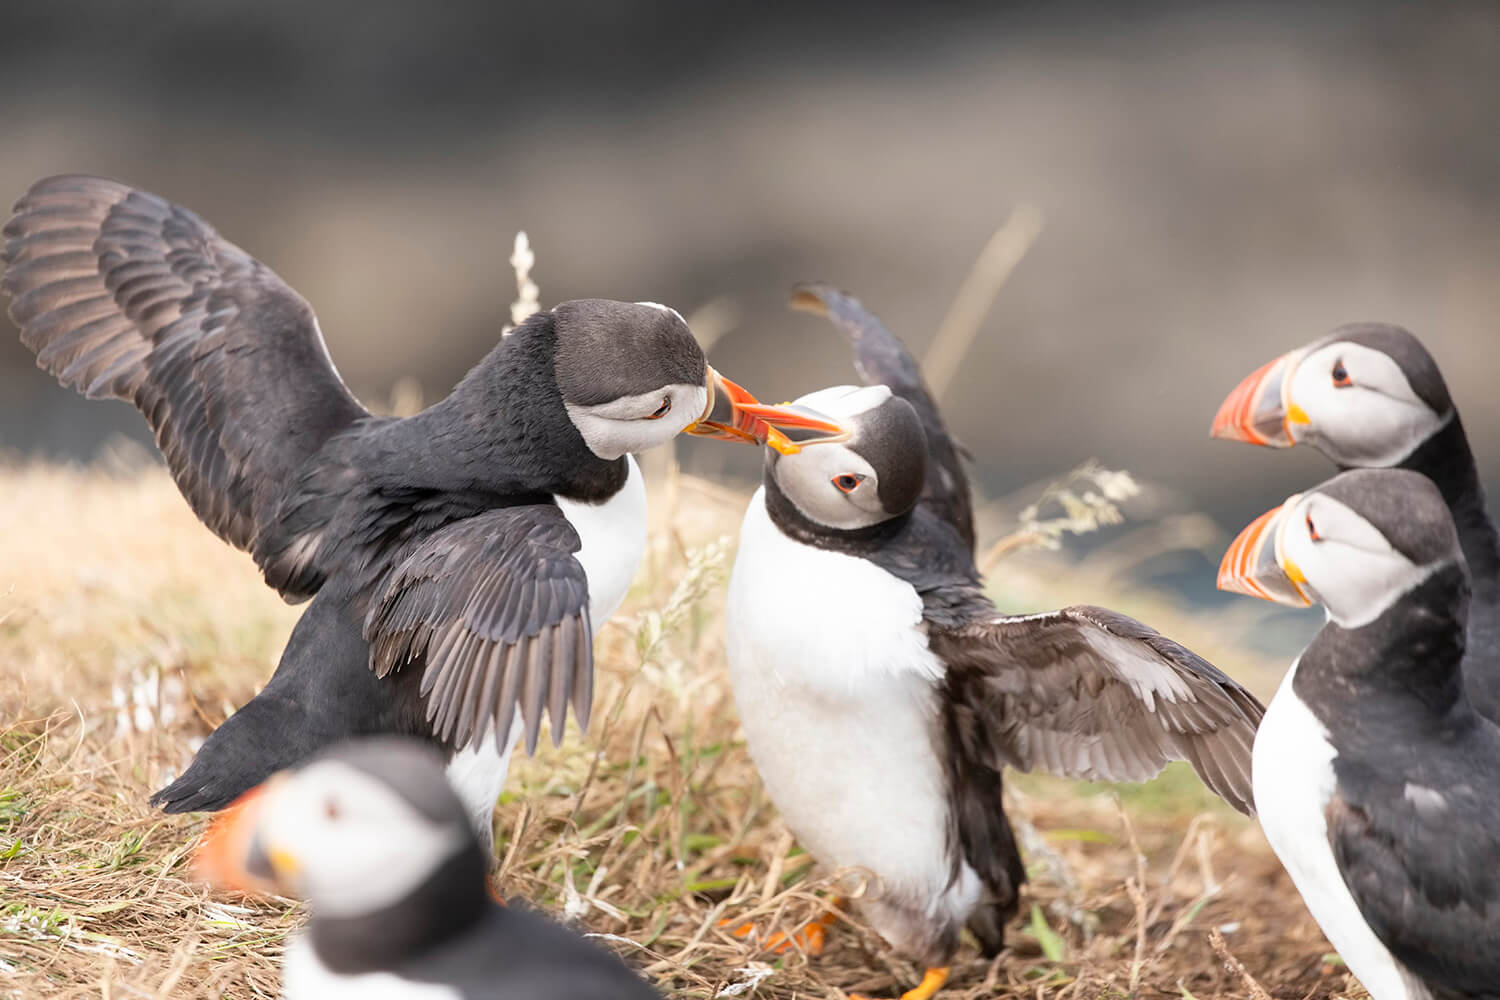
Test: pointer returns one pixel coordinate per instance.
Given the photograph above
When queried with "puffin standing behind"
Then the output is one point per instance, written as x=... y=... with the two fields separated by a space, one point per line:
x=1374 y=775
x=458 y=560
x=882 y=694
x=1369 y=395
x=381 y=848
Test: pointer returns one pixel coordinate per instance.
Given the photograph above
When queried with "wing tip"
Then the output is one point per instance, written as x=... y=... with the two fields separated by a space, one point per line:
x=810 y=297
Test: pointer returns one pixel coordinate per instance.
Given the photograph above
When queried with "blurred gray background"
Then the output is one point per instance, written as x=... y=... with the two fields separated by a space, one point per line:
x=1220 y=182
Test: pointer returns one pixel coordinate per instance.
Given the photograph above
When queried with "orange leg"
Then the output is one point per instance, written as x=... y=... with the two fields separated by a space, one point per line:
x=932 y=981
x=810 y=938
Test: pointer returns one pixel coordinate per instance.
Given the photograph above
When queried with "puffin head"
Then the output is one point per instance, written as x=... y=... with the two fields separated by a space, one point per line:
x=871 y=470
x=354 y=831
x=633 y=377
x=1367 y=396
x=1356 y=544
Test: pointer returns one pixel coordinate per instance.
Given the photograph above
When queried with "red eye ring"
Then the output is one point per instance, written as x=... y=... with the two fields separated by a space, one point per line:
x=848 y=482
x=662 y=410
x=1341 y=379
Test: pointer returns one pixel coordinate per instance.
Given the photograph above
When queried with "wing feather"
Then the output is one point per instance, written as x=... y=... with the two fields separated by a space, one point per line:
x=123 y=295
x=1088 y=693
x=493 y=610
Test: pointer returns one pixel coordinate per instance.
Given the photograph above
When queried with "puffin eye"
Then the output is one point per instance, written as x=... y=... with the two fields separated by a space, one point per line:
x=848 y=482
x=1341 y=379
x=663 y=409
x=1312 y=531
x=331 y=809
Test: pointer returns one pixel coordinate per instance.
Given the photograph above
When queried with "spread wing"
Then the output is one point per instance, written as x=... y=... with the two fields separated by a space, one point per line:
x=1088 y=693
x=122 y=295
x=1420 y=863
x=881 y=359
x=494 y=610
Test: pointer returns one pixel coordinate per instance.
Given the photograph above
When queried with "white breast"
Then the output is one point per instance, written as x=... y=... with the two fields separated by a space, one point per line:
x=304 y=977
x=835 y=688
x=477 y=774
x=1294 y=780
x=614 y=539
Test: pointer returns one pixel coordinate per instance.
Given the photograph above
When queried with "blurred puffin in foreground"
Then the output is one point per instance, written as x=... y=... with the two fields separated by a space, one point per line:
x=881 y=692
x=1374 y=775
x=458 y=560
x=378 y=843
x=1369 y=395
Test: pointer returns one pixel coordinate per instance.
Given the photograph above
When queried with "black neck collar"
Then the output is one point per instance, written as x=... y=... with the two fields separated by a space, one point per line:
x=920 y=548
x=450 y=902
x=1447 y=460
x=1412 y=654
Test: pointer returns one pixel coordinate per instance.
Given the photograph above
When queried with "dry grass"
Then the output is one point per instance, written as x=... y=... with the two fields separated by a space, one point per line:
x=127 y=630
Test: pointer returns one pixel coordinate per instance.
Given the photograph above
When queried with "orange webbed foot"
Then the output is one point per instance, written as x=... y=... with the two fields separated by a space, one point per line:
x=810 y=938
x=932 y=981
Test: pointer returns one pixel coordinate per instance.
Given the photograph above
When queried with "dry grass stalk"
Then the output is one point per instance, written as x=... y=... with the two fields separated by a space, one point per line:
x=977 y=294
x=1255 y=990
x=648 y=832
x=528 y=295
x=1081 y=502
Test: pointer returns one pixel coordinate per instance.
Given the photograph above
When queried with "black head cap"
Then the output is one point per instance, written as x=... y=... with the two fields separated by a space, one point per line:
x=891 y=439
x=1402 y=347
x=609 y=350
x=1404 y=506
x=409 y=767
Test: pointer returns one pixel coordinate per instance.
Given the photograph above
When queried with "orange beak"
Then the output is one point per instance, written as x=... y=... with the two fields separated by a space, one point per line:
x=232 y=853
x=1260 y=410
x=733 y=414
x=1255 y=565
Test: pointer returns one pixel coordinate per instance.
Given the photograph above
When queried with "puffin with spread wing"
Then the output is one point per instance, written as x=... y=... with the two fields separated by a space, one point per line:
x=458 y=560
x=882 y=694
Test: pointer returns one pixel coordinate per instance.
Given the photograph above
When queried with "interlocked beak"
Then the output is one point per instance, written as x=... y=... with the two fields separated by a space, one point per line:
x=733 y=414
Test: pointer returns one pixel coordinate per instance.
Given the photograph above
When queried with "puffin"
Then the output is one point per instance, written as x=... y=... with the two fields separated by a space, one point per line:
x=457 y=561
x=1374 y=773
x=380 y=846
x=1370 y=395
x=882 y=694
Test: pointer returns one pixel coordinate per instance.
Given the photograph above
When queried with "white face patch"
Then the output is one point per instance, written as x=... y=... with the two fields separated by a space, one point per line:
x=357 y=846
x=1362 y=410
x=1350 y=567
x=630 y=424
x=830 y=483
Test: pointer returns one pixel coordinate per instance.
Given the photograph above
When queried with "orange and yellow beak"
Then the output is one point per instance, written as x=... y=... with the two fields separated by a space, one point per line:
x=1260 y=410
x=1256 y=565
x=233 y=852
x=732 y=414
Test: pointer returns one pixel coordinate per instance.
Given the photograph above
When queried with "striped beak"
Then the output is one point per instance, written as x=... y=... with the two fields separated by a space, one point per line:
x=233 y=852
x=1256 y=565
x=733 y=414
x=1260 y=409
